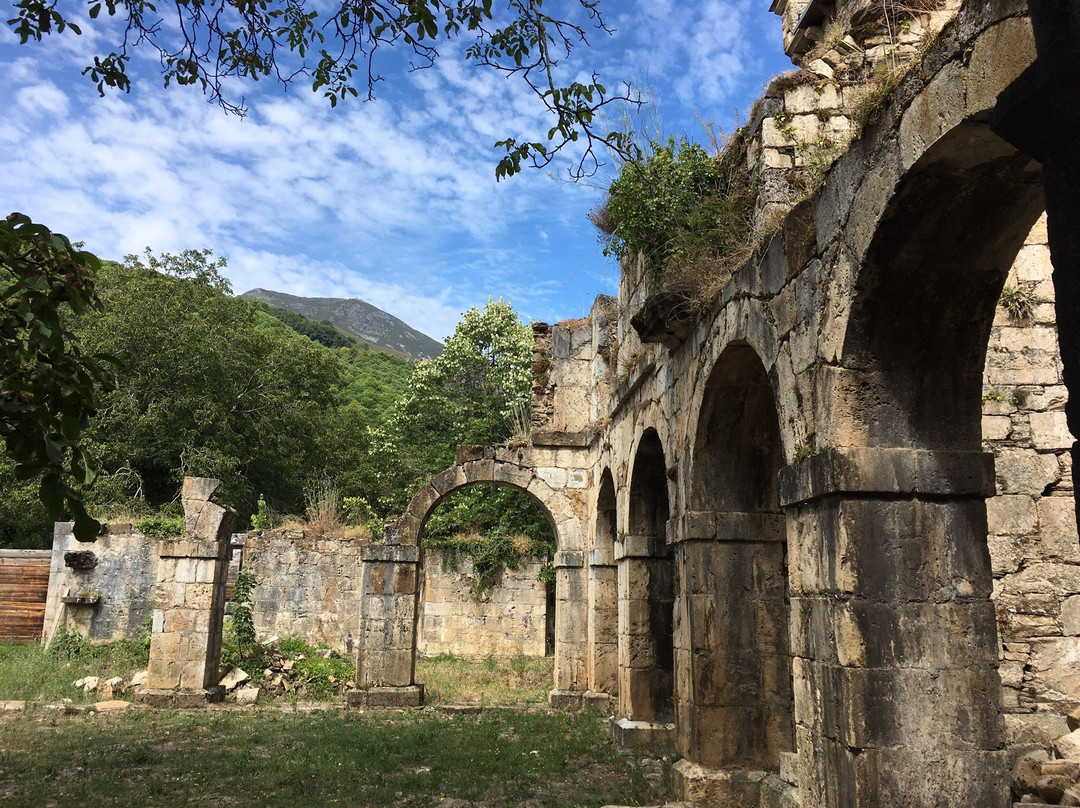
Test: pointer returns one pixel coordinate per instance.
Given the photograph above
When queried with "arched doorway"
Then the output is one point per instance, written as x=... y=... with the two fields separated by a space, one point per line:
x=603 y=593
x=733 y=597
x=646 y=592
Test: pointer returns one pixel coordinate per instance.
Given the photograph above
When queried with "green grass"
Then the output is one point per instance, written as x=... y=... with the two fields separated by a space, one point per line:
x=270 y=758
x=516 y=680
x=31 y=673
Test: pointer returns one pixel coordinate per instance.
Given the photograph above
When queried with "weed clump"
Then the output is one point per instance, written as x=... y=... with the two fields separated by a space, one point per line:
x=687 y=212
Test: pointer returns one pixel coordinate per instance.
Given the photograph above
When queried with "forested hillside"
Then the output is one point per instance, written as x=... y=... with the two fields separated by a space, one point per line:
x=208 y=384
x=353 y=317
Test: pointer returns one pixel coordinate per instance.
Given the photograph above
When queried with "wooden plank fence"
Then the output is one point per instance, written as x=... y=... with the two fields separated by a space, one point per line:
x=24 y=586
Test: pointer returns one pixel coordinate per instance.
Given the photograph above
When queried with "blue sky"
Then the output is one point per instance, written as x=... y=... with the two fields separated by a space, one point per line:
x=393 y=201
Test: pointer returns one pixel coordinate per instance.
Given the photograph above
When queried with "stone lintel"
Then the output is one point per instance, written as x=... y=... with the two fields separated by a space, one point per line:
x=888 y=471
x=641 y=547
x=572 y=440
x=602 y=558
x=569 y=558
x=724 y=788
x=643 y=735
x=192 y=548
x=392 y=553
x=180 y=699
x=729 y=526
x=385 y=698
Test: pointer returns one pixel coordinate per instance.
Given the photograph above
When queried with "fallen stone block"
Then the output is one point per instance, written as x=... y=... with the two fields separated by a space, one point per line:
x=233 y=679
x=247 y=696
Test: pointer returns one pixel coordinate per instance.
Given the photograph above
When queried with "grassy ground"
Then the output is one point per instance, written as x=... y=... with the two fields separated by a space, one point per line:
x=30 y=673
x=270 y=758
x=517 y=680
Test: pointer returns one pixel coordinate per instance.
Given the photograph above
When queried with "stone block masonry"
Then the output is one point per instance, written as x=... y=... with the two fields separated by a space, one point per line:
x=509 y=619
x=107 y=597
x=189 y=603
x=308 y=587
x=1031 y=523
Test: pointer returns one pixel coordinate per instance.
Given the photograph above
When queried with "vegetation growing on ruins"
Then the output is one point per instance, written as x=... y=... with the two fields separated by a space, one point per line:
x=687 y=211
x=473 y=393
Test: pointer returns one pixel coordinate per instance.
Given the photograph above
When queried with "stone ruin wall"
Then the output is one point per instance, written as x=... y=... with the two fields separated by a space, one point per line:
x=1034 y=550
x=509 y=620
x=308 y=587
x=113 y=583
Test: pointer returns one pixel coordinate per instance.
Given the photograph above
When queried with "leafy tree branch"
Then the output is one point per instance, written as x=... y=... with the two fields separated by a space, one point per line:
x=47 y=383
x=207 y=42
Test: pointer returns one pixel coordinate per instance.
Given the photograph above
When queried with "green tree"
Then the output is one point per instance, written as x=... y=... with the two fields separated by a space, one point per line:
x=202 y=389
x=338 y=48
x=47 y=379
x=467 y=395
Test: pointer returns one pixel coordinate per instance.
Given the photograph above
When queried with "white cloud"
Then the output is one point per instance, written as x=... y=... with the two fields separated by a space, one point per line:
x=392 y=201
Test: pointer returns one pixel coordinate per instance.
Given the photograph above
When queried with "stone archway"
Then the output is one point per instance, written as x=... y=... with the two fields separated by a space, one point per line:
x=557 y=492
x=646 y=592
x=888 y=516
x=603 y=592
x=733 y=611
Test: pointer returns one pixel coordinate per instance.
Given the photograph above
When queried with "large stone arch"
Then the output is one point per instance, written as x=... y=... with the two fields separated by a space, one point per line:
x=646 y=590
x=919 y=223
x=603 y=589
x=732 y=652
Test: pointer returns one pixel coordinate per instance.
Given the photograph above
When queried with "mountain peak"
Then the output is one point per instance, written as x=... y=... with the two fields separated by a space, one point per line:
x=357 y=318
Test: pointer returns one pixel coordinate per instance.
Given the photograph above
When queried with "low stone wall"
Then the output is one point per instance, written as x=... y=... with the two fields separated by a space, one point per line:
x=308 y=586
x=1031 y=522
x=101 y=588
x=510 y=619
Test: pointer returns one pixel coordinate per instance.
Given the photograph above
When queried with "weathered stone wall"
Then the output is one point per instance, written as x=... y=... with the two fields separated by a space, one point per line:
x=824 y=410
x=509 y=619
x=1033 y=542
x=308 y=586
x=114 y=584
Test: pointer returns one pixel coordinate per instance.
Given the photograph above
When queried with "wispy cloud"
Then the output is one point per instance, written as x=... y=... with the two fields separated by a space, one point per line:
x=392 y=201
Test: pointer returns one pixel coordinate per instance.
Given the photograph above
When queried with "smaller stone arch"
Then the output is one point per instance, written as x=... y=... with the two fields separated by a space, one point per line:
x=553 y=489
x=514 y=475
x=646 y=591
x=603 y=591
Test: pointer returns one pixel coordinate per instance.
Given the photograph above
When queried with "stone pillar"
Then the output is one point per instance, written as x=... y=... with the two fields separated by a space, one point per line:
x=603 y=659
x=571 y=602
x=189 y=604
x=386 y=660
x=897 y=694
x=645 y=620
x=733 y=693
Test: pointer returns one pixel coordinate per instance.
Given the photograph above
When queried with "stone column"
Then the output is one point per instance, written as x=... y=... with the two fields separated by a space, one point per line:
x=603 y=658
x=571 y=632
x=189 y=604
x=897 y=694
x=645 y=619
x=386 y=661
